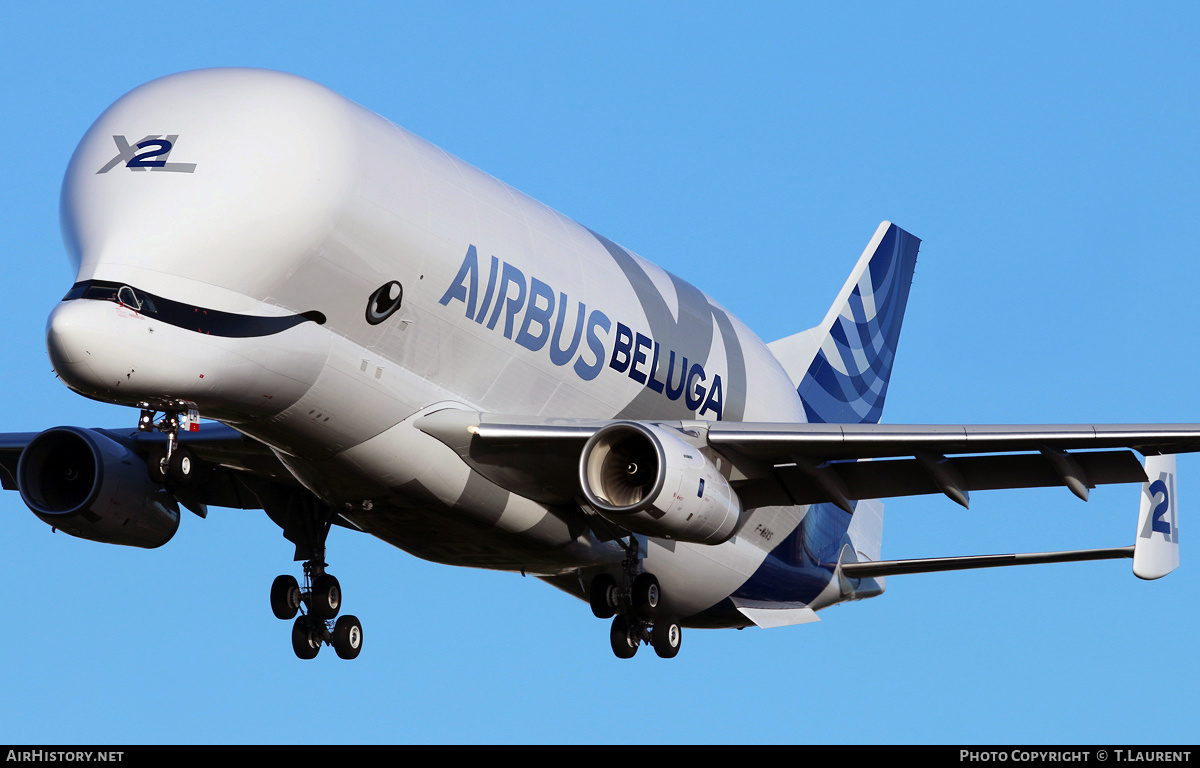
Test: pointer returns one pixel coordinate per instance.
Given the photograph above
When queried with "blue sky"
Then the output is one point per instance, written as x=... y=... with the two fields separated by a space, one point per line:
x=1046 y=156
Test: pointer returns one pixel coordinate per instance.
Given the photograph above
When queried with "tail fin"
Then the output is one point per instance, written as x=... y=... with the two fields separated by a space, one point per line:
x=842 y=366
x=1156 y=549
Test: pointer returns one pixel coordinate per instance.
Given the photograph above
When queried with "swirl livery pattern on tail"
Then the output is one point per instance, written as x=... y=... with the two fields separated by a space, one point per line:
x=847 y=359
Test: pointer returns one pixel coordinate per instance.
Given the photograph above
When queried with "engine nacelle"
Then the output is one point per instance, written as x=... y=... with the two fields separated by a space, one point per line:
x=90 y=486
x=649 y=481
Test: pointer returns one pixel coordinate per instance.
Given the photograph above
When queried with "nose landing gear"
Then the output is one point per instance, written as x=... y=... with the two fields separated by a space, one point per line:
x=175 y=462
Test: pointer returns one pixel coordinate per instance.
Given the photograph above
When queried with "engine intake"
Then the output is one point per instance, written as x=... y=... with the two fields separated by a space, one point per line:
x=647 y=480
x=88 y=485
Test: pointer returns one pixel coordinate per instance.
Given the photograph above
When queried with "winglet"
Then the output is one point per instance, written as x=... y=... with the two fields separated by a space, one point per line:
x=1156 y=550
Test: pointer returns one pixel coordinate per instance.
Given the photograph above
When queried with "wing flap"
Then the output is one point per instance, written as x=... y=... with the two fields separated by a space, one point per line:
x=536 y=459
x=793 y=484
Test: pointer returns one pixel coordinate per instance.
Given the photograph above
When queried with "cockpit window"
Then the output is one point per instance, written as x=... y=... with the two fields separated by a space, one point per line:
x=128 y=298
x=114 y=292
x=189 y=316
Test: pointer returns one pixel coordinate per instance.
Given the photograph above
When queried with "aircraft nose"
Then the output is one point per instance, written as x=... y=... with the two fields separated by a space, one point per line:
x=110 y=351
x=61 y=336
x=82 y=343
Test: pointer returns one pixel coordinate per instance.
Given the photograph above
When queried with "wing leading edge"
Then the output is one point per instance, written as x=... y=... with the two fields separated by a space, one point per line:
x=788 y=464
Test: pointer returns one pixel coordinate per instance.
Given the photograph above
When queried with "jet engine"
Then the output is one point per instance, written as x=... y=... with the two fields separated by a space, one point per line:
x=88 y=485
x=647 y=480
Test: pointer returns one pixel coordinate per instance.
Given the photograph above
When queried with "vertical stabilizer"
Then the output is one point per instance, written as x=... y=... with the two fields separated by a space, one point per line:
x=841 y=367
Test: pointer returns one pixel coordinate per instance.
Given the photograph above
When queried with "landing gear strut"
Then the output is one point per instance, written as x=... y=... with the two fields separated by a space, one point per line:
x=636 y=610
x=306 y=522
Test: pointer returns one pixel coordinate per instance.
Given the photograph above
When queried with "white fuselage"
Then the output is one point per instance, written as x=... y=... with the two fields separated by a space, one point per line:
x=277 y=197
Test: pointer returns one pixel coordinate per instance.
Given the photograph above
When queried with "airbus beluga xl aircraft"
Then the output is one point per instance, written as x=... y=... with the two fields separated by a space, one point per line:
x=382 y=337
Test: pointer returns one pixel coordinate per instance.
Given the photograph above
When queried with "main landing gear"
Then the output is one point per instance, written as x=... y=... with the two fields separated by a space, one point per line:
x=637 y=614
x=322 y=596
x=306 y=521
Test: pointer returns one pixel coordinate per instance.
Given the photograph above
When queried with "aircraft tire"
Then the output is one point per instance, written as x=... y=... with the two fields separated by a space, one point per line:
x=285 y=597
x=156 y=465
x=347 y=637
x=302 y=639
x=666 y=637
x=647 y=595
x=182 y=466
x=623 y=645
x=602 y=596
x=326 y=597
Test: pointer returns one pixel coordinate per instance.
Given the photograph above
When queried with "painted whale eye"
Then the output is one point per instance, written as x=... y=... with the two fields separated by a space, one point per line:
x=384 y=302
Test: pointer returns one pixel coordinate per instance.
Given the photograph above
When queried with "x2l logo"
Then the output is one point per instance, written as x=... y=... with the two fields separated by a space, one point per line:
x=149 y=153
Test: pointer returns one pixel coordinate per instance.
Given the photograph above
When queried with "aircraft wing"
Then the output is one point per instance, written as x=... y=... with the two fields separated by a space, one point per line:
x=787 y=464
x=232 y=463
x=770 y=464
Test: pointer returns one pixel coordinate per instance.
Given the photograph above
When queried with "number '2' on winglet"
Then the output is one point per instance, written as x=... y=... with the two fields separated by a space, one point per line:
x=1156 y=550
